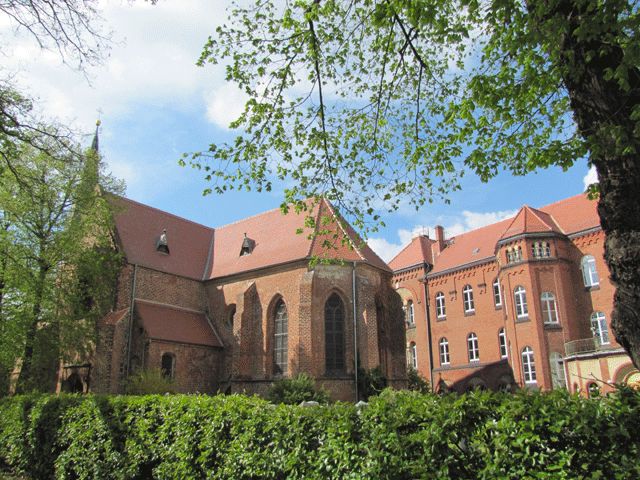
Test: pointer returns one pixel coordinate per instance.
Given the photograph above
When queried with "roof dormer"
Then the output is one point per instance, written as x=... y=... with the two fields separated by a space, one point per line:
x=162 y=245
x=248 y=244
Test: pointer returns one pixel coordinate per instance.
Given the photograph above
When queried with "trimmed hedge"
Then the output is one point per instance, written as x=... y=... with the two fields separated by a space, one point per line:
x=398 y=435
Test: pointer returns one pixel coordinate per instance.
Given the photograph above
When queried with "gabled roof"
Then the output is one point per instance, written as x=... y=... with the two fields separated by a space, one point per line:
x=530 y=220
x=138 y=228
x=276 y=241
x=569 y=216
x=418 y=251
x=200 y=252
x=470 y=247
x=174 y=324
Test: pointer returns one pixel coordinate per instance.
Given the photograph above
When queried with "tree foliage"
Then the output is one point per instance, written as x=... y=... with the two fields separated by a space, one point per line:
x=58 y=261
x=373 y=103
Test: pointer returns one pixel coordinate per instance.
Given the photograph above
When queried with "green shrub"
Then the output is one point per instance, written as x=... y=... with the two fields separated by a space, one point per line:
x=371 y=382
x=417 y=382
x=292 y=391
x=149 y=382
x=398 y=435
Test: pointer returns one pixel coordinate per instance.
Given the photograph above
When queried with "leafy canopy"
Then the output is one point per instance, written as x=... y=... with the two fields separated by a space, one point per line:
x=374 y=103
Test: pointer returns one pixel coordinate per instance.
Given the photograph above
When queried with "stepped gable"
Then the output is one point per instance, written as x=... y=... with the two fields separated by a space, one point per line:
x=530 y=220
x=417 y=252
x=174 y=324
x=340 y=241
x=574 y=214
x=139 y=227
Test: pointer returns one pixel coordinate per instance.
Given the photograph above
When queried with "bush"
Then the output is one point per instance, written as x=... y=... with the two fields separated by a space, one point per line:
x=371 y=382
x=398 y=435
x=292 y=391
x=149 y=382
x=416 y=382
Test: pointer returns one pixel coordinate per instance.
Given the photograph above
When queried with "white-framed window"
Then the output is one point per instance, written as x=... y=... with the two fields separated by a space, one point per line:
x=528 y=365
x=556 y=362
x=541 y=249
x=502 y=341
x=514 y=254
x=599 y=327
x=414 y=355
x=441 y=310
x=520 y=297
x=549 y=308
x=467 y=295
x=497 y=295
x=589 y=272
x=444 y=351
x=472 y=348
x=410 y=313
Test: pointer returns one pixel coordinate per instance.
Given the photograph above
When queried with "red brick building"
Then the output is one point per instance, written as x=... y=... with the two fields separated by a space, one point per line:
x=230 y=309
x=526 y=301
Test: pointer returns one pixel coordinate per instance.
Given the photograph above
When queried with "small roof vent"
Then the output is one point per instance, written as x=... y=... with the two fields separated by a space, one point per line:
x=248 y=244
x=161 y=244
x=476 y=251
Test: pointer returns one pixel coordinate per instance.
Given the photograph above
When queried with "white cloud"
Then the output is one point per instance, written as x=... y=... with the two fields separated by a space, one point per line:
x=152 y=60
x=224 y=105
x=467 y=220
x=590 y=177
x=385 y=249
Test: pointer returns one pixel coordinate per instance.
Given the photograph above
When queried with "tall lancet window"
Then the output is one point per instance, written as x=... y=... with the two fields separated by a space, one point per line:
x=281 y=339
x=334 y=335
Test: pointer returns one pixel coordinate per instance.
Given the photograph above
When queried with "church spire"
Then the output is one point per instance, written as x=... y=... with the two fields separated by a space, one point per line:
x=95 y=143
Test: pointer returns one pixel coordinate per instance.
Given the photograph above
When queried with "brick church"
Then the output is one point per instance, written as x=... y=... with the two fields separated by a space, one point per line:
x=233 y=308
x=523 y=302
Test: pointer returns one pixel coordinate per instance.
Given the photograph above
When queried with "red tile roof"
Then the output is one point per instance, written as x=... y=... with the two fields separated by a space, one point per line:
x=416 y=252
x=174 y=324
x=113 y=318
x=572 y=215
x=200 y=252
x=530 y=220
x=138 y=227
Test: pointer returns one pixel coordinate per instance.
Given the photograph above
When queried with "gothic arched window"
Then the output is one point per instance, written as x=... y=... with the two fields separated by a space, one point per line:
x=281 y=339
x=334 y=335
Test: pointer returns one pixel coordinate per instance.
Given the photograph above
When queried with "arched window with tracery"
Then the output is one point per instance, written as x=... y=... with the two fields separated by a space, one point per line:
x=281 y=339
x=334 y=335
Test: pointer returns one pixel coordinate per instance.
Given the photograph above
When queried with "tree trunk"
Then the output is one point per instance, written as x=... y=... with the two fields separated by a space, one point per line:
x=24 y=383
x=602 y=111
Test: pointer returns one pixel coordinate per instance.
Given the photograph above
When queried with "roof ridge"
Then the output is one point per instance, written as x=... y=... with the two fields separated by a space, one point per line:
x=344 y=232
x=536 y=212
x=254 y=216
x=312 y=243
x=162 y=211
x=562 y=200
x=403 y=249
x=169 y=305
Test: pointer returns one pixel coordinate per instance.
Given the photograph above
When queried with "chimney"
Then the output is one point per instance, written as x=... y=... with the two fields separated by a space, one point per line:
x=438 y=245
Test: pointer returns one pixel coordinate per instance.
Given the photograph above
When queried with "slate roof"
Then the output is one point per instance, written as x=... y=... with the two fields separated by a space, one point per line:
x=174 y=324
x=200 y=252
x=568 y=216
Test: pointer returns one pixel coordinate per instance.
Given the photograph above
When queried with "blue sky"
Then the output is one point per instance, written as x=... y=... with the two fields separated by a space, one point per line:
x=155 y=104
